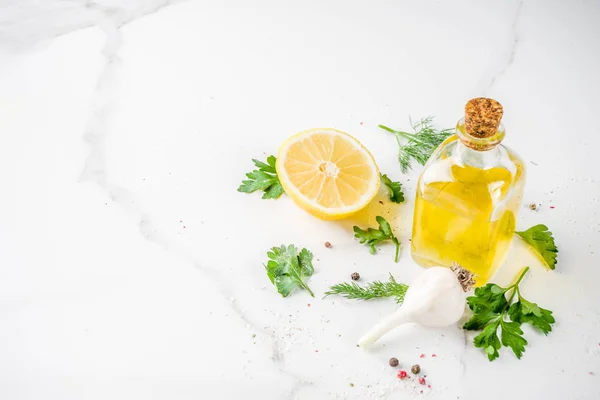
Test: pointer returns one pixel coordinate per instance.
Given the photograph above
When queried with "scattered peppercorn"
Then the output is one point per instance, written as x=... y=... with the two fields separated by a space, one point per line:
x=422 y=380
x=328 y=245
x=355 y=276
x=402 y=374
x=415 y=369
x=533 y=206
x=394 y=362
x=352 y=385
x=422 y=356
x=380 y=202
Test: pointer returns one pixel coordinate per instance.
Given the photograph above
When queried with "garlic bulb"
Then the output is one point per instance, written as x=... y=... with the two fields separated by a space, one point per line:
x=435 y=299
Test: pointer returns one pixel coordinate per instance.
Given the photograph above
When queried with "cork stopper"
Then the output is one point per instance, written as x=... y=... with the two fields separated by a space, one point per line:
x=482 y=117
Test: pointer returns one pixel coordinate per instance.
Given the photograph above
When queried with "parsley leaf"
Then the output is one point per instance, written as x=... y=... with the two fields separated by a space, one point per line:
x=489 y=297
x=491 y=307
x=264 y=178
x=512 y=336
x=288 y=270
x=526 y=312
x=420 y=144
x=394 y=189
x=488 y=340
x=541 y=239
x=479 y=320
x=373 y=237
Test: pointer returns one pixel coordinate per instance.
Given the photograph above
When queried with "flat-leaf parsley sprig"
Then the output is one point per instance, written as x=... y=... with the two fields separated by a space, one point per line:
x=490 y=311
x=373 y=237
x=420 y=144
x=264 y=178
x=287 y=269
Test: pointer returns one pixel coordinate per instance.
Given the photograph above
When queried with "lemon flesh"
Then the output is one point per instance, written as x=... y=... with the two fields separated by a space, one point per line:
x=327 y=172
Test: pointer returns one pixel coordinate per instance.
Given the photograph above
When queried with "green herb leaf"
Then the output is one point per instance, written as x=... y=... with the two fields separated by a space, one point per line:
x=394 y=189
x=512 y=336
x=489 y=297
x=373 y=237
x=373 y=290
x=524 y=311
x=488 y=340
x=490 y=309
x=264 y=178
x=479 y=320
x=305 y=258
x=420 y=144
x=541 y=239
x=288 y=270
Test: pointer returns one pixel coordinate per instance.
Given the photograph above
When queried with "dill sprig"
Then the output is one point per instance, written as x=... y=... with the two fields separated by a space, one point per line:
x=420 y=144
x=373 y=290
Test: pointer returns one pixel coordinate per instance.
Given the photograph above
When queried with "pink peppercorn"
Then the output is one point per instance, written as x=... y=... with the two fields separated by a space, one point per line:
x=402 y=374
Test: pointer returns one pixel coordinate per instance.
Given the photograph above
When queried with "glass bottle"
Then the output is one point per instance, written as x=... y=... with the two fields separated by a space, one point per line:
x=468 y=196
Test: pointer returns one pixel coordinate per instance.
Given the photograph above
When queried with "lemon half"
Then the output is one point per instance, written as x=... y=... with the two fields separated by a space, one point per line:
x=327 y=172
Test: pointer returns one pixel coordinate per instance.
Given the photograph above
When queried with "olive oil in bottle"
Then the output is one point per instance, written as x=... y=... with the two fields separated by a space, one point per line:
x=468 y=196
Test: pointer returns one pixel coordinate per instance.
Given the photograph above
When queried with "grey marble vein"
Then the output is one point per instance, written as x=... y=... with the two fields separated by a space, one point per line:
x=95 y=163
x=95 y=172
x=298 y=385
x=514 y=43
x=26 y=23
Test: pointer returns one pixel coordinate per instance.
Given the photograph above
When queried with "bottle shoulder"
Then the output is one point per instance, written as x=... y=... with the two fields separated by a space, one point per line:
x=486 y=178
x=451 y=157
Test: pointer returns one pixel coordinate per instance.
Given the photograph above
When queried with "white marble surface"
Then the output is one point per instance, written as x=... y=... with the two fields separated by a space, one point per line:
x=130 y=268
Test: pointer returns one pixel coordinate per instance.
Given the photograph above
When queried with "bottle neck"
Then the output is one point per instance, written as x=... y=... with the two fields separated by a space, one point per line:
x=478 y=152
x=479 y=143
x=481 y=159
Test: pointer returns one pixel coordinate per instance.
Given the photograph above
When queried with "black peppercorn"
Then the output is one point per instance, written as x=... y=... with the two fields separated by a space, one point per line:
x=394 y=362
x=415 y=369
x=355 y=276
